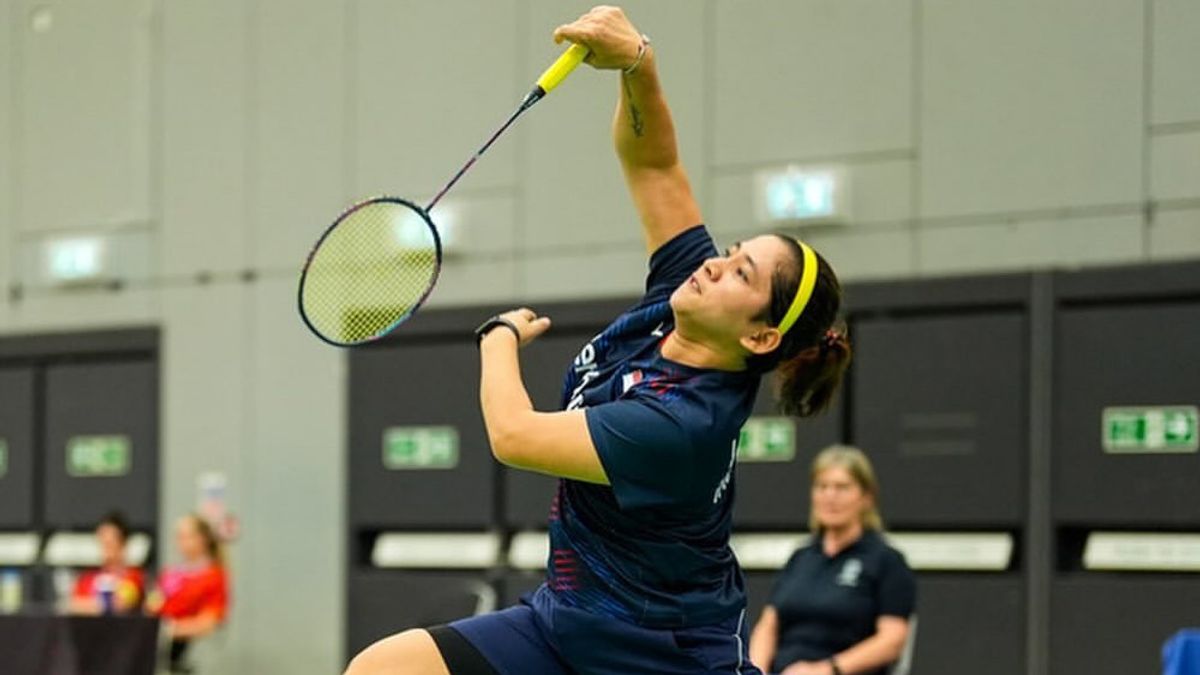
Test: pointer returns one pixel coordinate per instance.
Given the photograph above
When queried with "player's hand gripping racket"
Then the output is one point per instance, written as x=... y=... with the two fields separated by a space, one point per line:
x=378 y=262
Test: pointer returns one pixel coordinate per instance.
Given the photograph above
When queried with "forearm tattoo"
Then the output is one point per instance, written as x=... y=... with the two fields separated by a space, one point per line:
x=635 y=116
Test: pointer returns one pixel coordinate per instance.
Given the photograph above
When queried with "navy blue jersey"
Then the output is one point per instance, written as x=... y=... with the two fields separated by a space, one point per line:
x=652 y=548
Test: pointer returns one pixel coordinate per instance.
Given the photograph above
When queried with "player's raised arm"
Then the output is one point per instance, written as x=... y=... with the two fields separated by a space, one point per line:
x=643 y=132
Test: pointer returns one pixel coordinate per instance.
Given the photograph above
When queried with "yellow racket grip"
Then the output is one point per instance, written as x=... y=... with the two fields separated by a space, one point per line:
x=560 y=69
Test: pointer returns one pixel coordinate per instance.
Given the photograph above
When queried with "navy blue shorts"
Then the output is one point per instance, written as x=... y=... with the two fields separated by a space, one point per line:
x=542 y=637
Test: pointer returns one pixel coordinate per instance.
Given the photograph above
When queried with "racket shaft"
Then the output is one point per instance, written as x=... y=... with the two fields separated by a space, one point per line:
x=568 y=61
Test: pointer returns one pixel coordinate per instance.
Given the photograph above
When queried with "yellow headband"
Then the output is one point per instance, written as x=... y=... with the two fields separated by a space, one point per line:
x=808 y=281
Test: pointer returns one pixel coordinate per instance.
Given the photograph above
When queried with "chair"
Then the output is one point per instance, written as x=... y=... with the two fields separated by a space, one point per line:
x=904 y=664
x=1181 y=653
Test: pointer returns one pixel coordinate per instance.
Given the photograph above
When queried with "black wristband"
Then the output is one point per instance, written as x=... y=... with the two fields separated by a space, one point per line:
x=833 y=664
x=487 y=326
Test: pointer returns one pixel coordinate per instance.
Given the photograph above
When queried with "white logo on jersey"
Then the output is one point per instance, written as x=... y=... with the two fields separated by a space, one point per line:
x=586 y=359
x=658 y=330
x=724 y=484
x=584 y=363
x=850 y=573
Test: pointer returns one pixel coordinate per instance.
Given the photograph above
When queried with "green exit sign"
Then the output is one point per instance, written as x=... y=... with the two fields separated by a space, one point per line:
x=1150 y=429
x=3 y=457
x=407 y=448
x=767 y=439
x=98 y=456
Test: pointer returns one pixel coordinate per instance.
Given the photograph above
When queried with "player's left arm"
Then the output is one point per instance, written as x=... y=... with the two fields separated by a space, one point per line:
x=194 y=626
x=556 y=443
x=883 y=648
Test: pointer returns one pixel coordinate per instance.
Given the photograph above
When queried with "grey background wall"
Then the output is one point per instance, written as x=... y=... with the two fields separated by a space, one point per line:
x=209 y=141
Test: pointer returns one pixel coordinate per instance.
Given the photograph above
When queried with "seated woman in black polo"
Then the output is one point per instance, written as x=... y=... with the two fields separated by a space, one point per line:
x=842 y=603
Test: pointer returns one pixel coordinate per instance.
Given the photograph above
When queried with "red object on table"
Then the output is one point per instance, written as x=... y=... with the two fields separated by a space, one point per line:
x=125 y=580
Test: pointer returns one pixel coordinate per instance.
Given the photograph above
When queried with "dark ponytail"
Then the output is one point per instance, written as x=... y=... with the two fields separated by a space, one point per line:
x=117 y=521
x=815 y=352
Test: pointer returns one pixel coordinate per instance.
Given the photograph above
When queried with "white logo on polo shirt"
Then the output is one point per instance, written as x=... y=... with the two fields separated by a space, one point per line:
x=850 y=573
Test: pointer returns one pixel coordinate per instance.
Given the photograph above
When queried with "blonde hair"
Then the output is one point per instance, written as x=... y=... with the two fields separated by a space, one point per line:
x=855 y=462
x=212 y=541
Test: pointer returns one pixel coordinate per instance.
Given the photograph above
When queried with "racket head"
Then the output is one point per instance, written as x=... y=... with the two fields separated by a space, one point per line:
x=370 y=271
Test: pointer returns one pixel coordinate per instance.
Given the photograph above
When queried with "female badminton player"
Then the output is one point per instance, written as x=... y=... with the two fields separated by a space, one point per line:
x=641 y=578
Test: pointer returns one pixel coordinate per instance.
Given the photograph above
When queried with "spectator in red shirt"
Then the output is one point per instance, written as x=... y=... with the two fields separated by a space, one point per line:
x=114 y=587
x=193 y=597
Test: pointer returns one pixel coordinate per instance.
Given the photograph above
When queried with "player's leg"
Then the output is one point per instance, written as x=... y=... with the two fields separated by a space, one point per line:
x=412 y=652
x=508 y=642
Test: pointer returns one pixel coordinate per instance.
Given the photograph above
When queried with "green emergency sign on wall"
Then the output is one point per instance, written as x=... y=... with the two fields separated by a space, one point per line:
x=98 y=456
x=767 y=439
x=407 y=448
x=1146 y=429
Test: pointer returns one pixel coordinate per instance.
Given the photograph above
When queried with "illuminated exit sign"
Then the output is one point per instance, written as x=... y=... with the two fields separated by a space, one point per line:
x=75 y=260
x=767 y=439
x=408 y=448
x=1151 y=429
x=803 y=195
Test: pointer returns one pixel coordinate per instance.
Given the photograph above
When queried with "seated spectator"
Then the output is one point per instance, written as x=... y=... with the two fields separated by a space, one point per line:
x=842 y=604
x=113 y=588
x=193 y=597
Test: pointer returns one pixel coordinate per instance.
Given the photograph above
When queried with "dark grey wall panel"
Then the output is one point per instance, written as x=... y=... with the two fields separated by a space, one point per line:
x=518 y=583
x=776 y=494
x=940 y=407
x=1131 y=283
x=16 y=431
x=1117 y=624
x=971 y=624
x=758 y=593
x=383 y=602
x=418 y=384
x=117 y=343
x=102 y=398
x=945 y=294
x=1123 y=356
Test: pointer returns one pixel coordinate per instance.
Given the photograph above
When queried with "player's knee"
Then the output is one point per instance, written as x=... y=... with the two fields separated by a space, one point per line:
x=412 y=652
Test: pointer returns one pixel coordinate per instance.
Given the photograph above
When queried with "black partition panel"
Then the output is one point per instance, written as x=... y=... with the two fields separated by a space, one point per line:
x=544 y=364
x=419 y=383
x=517 y=583
x=773 y=494
x=16 y=438
x=1118 y=623
x=116 y=398
x=939 y=404
x=1123 y=355
x=384 y=602
x=971 y=624
x=759 y=585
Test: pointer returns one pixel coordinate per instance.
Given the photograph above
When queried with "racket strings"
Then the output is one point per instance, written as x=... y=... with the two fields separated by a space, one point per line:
x=372 y=270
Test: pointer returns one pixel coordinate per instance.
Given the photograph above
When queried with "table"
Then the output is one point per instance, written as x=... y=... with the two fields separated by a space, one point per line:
x=32 y=644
